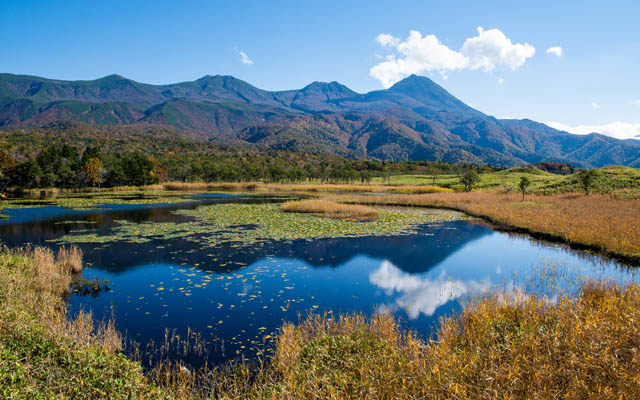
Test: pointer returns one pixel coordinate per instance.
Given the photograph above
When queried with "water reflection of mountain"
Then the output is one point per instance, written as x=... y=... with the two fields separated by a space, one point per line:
x=411 y=253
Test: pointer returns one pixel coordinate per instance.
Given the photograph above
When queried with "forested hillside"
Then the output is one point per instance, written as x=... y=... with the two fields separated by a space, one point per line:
x=415 y=119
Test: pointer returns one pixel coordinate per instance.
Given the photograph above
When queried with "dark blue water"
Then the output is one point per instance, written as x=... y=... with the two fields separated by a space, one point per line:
x=237 y=297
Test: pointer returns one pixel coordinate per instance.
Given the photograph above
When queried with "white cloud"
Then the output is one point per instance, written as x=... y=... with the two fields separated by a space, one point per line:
x=244 y=58
x=417 y=295
x=416 y=54
x=636 y=102
x=555 y=50
x=500 y=81
x=620 y=130
x=387 y=40
x=419 y=54
x=491 y=48
x=595 y=105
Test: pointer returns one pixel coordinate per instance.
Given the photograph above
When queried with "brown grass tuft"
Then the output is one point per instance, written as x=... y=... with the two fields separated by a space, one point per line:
x=70 y=259
x=330 y=209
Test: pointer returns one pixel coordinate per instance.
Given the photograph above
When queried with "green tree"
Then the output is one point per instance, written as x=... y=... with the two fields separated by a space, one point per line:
x=469 y=179
x=116 y=176
x=586 y=179
x=524 y=184
x=67 y=175
x=27 y=174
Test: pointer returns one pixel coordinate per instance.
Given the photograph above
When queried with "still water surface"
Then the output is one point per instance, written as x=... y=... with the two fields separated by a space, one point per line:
x=237 y=297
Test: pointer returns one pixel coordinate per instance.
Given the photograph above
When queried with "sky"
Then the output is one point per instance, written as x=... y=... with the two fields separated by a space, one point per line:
x=571 y=64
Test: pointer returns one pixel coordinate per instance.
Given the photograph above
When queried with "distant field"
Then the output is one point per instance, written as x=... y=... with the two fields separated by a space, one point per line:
x=608 y=179
x=491 y=180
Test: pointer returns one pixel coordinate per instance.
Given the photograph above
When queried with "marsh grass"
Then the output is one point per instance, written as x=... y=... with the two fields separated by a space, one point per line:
x=331 y=209
x=40 y=194
x=343 y=188
x=70 y=259
x=46 y=354
x=600 y=222
x=300 y=187
x=499 y=346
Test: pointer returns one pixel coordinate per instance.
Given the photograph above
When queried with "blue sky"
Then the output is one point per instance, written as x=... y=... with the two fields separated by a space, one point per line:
x=504 y=70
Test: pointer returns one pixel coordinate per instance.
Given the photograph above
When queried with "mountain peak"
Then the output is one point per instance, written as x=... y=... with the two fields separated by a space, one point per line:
x=332 y=89
x=413 y=81
x=415 y=119
x=208 y=78
x=112 y=77
x=226 y=82
x=428 y=93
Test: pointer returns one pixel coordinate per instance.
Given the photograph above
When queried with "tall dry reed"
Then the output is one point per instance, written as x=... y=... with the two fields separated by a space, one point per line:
x=580 y=347
x=70 y=259
x=598 y=221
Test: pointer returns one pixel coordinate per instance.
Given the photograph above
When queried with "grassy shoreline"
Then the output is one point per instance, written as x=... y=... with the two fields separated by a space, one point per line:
x=597 y=222
x=45 y=354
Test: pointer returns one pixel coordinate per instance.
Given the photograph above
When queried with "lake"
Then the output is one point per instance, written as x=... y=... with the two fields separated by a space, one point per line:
x=190 y=270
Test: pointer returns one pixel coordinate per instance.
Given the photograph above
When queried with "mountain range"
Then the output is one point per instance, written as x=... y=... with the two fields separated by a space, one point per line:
x=415 y=119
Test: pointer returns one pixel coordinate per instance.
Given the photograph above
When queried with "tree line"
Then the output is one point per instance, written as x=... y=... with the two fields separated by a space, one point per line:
x=66 y=166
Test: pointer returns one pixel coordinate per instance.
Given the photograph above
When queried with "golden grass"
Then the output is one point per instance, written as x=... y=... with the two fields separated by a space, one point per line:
x=499 y=347
x=70 y=259
x=347 y=357
x=584 y=347
x=331 y=209
x=46 y=354
x=601 y=222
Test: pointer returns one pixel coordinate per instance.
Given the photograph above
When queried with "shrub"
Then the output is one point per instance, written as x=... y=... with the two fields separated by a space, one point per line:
x=469 y=179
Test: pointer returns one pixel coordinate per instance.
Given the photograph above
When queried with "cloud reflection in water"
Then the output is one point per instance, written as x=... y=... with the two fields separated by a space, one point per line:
x=419 y=295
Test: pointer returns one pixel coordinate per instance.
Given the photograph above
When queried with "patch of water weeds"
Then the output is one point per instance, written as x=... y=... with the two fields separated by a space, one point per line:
x=91 y=200
x=248 y=224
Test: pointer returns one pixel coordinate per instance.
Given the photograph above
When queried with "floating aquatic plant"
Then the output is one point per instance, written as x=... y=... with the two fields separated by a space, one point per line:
x=247 y=224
